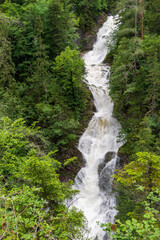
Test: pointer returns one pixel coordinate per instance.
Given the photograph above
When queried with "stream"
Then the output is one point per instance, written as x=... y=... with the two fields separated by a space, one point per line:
x=98 y=144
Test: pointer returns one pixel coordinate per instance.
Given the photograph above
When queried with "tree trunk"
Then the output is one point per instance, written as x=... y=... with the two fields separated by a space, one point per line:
x=142 y=2
x=135 y=43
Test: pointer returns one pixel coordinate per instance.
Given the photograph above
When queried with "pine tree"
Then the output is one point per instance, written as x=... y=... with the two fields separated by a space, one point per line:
x=151 y=48
x=7 y=68
x=152 y=16
x=69 y=73
x=61 y=27
x=41 y=76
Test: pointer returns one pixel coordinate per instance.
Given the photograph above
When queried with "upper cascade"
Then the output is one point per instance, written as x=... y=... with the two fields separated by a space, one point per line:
x=104 y=39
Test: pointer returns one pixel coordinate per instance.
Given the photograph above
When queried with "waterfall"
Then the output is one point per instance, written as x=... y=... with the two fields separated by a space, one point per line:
x=98 y=144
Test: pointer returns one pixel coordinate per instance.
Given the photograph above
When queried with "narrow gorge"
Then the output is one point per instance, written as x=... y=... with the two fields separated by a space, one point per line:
x=98 y=144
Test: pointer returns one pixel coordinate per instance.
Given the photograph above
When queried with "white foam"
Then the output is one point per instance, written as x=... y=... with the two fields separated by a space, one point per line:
x=99 y=138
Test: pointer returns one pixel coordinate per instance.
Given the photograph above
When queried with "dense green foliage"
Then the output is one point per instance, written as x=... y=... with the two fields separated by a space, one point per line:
x=88 y=11
x=146 y=228
x=32 y=198
x=135 y=76
x=34 y=84
x=32 y=34
x=41 y=75
x=135 y=89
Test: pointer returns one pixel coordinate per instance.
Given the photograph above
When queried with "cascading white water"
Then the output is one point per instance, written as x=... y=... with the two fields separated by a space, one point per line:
x=100 y=139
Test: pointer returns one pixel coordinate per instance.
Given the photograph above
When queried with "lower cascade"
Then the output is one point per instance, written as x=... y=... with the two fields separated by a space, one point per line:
x=98 y=144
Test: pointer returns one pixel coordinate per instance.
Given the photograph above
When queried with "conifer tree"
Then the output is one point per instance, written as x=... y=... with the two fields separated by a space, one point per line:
x=152 y=16
x=69 y=73
x=151 y=48
x=41 y=66
x=7 y=68
x=61 y=27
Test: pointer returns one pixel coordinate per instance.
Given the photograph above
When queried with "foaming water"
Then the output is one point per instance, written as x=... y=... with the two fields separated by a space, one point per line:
x=98 y=144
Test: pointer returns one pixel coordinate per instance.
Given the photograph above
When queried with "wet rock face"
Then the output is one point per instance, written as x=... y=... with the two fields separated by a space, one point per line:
x=105 y=170
x=106 y=237
x=87 y=39
x=119 y=163
x=123 y=158
x=105 y=181
x=108 y=157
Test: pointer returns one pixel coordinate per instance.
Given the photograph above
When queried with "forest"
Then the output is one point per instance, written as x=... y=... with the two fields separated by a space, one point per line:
x=43 y=100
